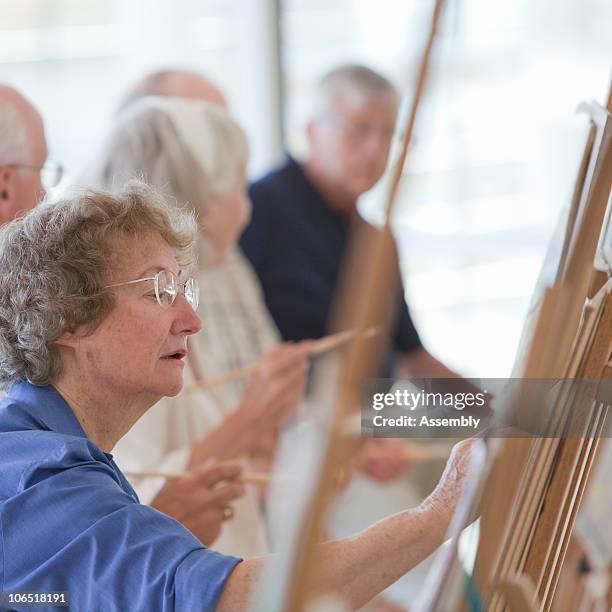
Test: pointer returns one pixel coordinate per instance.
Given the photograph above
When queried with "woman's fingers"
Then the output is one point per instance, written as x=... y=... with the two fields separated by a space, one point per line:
x=447 y=493
x=284 y=357
x=278 y=383
x=216 y=499
x=209 y=474
x=224 y=494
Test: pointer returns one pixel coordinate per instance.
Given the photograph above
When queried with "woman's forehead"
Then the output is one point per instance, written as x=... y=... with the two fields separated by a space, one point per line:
x=132 y=256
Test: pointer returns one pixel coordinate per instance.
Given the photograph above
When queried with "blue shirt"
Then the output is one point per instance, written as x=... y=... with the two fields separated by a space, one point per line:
x=296 y=242
x=70 y=521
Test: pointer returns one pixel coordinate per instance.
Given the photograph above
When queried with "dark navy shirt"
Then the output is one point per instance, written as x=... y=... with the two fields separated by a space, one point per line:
x=70 y=521
x=296 y=242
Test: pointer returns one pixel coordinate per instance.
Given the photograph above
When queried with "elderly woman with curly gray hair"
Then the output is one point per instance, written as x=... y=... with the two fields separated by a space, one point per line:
x=96 y=305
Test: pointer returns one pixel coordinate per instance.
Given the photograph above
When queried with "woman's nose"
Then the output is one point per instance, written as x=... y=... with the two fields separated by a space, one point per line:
x=187 y=320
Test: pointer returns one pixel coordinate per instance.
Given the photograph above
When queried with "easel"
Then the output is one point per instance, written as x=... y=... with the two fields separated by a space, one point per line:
x=535 y=486
x=582 y=588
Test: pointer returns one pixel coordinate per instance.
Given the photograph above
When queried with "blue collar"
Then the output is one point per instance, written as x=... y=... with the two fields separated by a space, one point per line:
x=47 y=407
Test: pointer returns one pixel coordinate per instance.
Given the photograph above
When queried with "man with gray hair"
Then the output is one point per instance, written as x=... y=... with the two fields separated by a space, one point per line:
x=302 y=212
x=23 y=151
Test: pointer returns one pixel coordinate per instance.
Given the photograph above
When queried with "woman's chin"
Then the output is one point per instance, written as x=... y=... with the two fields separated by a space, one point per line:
x=175 y=390
x=173 y=387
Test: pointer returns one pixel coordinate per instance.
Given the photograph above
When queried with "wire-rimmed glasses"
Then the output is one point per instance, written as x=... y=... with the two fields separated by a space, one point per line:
x=167 y=287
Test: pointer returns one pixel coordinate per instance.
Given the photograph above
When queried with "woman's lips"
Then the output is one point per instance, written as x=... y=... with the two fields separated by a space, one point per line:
x=176 y=355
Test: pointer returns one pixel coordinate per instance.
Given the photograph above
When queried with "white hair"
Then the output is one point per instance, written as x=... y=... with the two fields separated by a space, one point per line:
x=352 y=82
x=190 y=149
x=13 y=135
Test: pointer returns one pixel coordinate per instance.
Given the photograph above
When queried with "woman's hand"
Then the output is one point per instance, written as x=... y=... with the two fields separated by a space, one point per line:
x=445 y=497
x=382 y=459
x=201 y=500
x=274 y=391
x=278 y=384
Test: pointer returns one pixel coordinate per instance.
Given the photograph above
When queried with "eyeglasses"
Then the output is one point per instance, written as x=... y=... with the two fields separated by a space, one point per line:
x=51 y=172
x=358 y=131
x=167 y=287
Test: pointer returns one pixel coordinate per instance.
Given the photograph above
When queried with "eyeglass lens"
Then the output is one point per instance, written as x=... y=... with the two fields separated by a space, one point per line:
x=167 y=288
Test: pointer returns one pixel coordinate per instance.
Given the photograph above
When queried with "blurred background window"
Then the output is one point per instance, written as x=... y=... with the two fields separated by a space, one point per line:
x=495 y=152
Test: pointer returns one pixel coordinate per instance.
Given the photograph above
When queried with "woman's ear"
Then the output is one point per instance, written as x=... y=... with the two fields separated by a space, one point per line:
x=68 y=340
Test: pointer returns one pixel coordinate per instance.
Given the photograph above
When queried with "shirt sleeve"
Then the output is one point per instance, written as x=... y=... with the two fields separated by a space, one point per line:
x=74 y=528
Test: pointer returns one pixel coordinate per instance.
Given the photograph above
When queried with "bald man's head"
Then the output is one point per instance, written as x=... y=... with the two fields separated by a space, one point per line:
x=176 y=84
x=23 y=151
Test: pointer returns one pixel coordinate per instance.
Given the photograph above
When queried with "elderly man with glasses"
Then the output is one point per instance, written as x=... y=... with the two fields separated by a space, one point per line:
x=25 y=171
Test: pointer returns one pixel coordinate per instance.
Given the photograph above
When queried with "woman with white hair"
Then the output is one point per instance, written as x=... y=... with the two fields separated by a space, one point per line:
x=196 y=154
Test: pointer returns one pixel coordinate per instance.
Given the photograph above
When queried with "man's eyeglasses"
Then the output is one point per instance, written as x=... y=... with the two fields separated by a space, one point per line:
x=167 y=287
x=358 y=131
x=51 y=172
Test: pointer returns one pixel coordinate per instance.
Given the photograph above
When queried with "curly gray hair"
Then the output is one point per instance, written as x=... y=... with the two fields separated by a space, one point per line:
x=55 y=264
